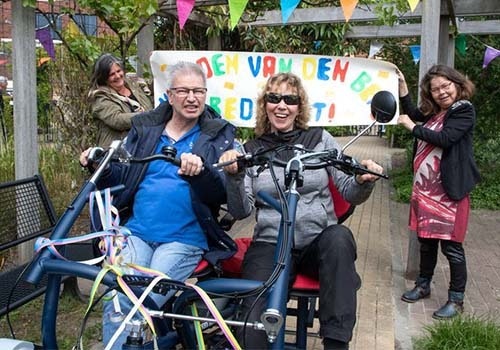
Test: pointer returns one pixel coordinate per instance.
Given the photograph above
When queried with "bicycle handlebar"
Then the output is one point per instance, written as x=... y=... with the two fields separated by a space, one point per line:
x=309 y=160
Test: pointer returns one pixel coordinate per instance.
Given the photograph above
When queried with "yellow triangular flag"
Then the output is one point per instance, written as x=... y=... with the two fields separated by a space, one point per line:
x=413 y=4
x=236 y=8
x=72 y=29
x=348 y=8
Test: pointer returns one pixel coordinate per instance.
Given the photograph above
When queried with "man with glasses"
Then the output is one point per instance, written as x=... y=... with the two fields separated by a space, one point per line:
x=171 y=211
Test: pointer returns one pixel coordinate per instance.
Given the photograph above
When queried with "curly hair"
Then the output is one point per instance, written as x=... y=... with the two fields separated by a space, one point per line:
x=465 y=87
x=263 y=125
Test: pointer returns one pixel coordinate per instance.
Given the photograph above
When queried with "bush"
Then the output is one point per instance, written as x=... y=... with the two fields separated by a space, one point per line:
x=464 y=333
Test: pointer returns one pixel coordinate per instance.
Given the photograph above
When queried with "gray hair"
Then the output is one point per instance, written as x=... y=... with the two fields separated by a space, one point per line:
x=3 y=79
x=184 y=67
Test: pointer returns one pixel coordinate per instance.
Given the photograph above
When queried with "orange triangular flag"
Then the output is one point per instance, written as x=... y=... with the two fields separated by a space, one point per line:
x=348 y=8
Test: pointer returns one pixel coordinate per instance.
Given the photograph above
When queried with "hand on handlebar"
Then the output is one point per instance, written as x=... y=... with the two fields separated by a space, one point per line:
x=90 y=157
x=230 y=156
x=372 y=166
x=191 y=164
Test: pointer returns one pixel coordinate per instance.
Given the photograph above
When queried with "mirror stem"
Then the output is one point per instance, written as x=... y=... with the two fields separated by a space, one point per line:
x=358 y=136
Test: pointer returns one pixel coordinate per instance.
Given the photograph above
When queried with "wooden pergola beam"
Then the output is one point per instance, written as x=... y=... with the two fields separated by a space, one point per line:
x=414 y=29
x=330 y=14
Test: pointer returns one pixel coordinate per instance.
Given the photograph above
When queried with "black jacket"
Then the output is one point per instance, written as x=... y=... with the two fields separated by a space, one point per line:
x=207 y=189
x=459 y=173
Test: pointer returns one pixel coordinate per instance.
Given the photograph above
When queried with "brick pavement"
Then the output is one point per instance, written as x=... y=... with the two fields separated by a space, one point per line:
x=380 y=227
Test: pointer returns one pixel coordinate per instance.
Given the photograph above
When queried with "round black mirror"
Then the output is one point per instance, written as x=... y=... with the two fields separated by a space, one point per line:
x=383 y=106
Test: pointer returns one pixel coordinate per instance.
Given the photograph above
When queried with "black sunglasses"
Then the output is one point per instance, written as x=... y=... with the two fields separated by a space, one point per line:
x=290 y=100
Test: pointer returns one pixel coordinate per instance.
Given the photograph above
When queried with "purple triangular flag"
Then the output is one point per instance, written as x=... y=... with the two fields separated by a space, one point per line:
x=489 y=55
x=45 y=38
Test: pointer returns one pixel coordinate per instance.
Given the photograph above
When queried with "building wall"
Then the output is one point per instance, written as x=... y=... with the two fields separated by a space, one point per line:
x=45 y=7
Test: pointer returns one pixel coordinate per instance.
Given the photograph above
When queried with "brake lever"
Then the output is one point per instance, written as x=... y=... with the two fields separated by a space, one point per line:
x=349 y=165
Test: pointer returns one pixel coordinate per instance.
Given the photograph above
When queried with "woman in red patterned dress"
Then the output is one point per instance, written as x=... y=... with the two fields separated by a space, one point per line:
x=444 y=174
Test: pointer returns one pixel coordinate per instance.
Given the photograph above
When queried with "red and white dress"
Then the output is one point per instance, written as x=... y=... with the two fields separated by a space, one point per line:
x=432 y=213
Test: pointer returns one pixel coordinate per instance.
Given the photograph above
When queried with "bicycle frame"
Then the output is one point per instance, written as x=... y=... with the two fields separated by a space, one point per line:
x=273 y=317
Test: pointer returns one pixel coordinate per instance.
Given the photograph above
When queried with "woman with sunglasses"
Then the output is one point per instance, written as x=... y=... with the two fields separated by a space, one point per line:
x=444 y=174
x=321 y=244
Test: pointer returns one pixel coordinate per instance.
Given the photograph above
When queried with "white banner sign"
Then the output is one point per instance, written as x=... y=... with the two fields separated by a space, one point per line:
x=339 y=88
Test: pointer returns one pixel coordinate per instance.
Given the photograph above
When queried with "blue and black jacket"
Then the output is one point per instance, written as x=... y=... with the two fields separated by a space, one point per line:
x=208 y=190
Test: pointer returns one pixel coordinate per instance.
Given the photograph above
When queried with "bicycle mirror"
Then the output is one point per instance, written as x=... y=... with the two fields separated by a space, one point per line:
x=383 y=106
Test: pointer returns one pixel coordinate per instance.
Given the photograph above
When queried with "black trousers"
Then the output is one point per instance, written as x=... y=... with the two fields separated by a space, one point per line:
x=455 y=254
x=329 y=258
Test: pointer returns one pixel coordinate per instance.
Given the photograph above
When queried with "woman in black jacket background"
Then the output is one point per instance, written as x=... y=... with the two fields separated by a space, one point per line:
x=444 y=174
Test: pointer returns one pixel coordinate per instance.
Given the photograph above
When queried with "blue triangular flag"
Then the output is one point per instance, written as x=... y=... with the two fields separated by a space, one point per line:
x=287 y=7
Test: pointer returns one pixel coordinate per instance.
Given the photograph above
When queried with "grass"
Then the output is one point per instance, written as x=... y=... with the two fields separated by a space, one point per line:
x=461 y=333
x=26 y=322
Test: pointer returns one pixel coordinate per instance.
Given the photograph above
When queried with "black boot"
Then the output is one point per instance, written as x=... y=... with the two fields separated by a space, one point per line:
x=453 y=307
x=334 y=344
x=422 y=290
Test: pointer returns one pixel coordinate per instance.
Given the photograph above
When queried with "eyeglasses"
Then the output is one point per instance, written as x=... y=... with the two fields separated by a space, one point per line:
x=290 y=100
x=183 y=92
x=445 y=87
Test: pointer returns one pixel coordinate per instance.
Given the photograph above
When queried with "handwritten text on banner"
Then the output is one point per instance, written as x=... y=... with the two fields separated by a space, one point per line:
x=339 y=88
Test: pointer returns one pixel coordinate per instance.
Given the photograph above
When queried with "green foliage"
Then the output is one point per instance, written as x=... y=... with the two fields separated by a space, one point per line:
x=62 y=173
x=44 y=96
x=26 y=322
x=7 y=161
x=125 y=17
x=401 y=176
x=465 y=333
x=59 y=167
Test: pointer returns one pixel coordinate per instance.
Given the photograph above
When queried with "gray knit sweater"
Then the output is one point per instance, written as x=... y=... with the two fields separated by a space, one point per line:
x=315 y=207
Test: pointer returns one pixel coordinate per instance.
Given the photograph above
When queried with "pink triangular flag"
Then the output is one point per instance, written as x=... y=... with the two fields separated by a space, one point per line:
x=348 y=8
x=236 y=8
x=413 y=4
x=489 y=55
x=184 y=8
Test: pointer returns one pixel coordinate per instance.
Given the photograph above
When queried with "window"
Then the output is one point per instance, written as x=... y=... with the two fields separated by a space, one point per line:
x=88 y=23
x=41 y=21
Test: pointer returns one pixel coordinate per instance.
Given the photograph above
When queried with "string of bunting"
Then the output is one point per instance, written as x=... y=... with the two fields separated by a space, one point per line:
x=490 y=53
x=237 y=7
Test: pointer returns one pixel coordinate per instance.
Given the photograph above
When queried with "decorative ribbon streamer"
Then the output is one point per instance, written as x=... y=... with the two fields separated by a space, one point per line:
x=415 y=51
x=287 y=7
x=375 y=47
x=184 y=9
x=45 y=38
x=489 y=55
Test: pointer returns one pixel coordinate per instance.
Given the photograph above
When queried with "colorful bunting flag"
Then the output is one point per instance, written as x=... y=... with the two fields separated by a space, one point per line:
x=287 y=7
x=460 y=44
x=236 y=8
x=489 y=55
x=45 y=38
x=413 y=4
x=184 y=9
x=348 y=8
x=72 y=29
x=375 y=47
x=415 y=51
